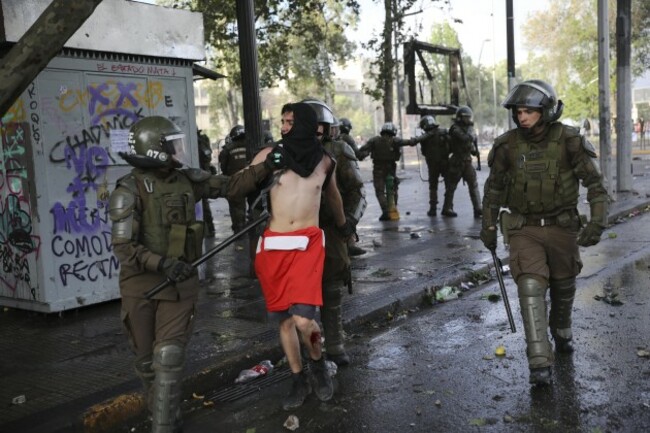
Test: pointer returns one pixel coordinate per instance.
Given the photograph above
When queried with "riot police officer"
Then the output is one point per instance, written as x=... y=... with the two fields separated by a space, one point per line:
x=346 y=127
x=232 y=158
x=205 y=162
x=337 y=273
x=435 y=150
x=462 y=145
x=385 y=150
x=155 y=237
x=535 y=171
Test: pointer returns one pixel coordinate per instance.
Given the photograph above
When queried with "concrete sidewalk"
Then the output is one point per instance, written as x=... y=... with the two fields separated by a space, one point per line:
x=73 y=371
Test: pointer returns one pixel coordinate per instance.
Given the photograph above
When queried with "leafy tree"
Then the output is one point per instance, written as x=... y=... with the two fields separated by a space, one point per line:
x=297 y=41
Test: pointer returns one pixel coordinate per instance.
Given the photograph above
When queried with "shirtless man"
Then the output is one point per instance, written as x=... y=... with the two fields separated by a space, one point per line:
x=290 y=253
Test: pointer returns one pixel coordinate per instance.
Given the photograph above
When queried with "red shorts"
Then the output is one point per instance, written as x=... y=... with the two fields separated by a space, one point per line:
x=289 y=267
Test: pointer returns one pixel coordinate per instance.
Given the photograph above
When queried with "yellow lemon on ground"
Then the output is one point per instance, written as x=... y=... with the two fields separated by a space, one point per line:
x=500 y=351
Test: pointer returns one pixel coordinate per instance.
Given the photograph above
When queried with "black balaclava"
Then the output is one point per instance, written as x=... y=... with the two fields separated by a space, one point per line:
x=303 y=149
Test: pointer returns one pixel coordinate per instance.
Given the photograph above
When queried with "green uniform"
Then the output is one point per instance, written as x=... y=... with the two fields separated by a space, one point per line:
x=461 y=146
x=205 y=162
x=537 y=179
x=385 y=150
x=337 y=262
x=435 y=149
x=154 y=217
x=232 y=158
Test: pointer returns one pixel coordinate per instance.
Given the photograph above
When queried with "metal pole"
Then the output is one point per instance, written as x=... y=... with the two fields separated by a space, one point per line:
x=494 y=76
x=249 y=74
x=623 y=96
x=478 y=67
x=605 y=126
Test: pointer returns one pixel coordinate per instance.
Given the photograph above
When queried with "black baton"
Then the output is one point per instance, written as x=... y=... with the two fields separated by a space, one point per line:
x=504 y=294
x=211 y=253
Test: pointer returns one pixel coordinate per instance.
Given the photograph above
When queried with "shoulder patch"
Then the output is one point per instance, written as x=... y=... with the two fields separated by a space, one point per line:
x=196 y=174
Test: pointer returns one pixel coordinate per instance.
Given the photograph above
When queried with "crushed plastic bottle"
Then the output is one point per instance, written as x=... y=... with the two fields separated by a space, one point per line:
x=446 y=293
x=260 y=369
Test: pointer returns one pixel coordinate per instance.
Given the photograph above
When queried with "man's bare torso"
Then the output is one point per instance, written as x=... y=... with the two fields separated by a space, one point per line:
x=295 y=200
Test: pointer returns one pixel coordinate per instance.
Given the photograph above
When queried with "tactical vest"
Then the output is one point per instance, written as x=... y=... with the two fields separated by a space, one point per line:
x=435 y=146
x=169 y=226
x=540 y=180
x=384 y=150
x=237 y=159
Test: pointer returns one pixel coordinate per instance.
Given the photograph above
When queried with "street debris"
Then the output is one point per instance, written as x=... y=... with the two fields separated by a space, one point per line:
x=376 y=243
x=381 y=272
x=500 y=351
x=196 y=396
x=610 y=295
x=292 y=423
x=492 y=297
x=447 y=293
x=260 y=369
x=415 y=235
x=19 y=399
x=643 y=353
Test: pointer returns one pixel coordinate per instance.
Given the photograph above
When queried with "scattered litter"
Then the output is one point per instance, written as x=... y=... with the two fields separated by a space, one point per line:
x=488 y=358
x=19 y=399
x=612 y=235
x=508 y=419
x=437 y=403
x=500 y=351
x=332 y=368
x=643 y=353
x=381 y=272
x=376 y=243
x=415 y=235
x=610 y=294
x=257 y=370
x=446 y=293
x=492 y=297
x=208 y=403
x=196 y=396
x=292 y=423
x=239 y=248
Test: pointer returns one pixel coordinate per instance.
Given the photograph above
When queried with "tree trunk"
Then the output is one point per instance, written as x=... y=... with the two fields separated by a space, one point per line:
x=388 y=67
x=42 y=41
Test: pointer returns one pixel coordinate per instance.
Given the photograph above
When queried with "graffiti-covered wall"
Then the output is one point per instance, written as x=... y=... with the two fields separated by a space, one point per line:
x=58 y=164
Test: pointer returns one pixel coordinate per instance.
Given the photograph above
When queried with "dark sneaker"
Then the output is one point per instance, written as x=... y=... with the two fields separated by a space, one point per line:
x=323 y=386
x=540 y=376
x=340 y=359
x=354 y=250
x=563 y=345
x=448 y=213
x=300 y=389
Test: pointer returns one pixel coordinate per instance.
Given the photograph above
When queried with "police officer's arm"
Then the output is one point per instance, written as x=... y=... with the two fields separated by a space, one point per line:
x=333 y=197
x=496 y=183
x=463 y=141
x=207 y=185
x=250 y=179
x=582 y=157
x=400 y=142
x=350 y=184
x=366 y=149
x=125 y=218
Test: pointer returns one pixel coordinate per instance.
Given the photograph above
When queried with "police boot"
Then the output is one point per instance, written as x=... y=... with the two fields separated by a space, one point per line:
x=331 y=318
x=300 y=389
x=432 y=210
x=448 y=206
x=144 y=370
x=354 y=250
x=531 y=291
x=475 y=197
x=168 y=364
x=562 y=295
x=323 y=386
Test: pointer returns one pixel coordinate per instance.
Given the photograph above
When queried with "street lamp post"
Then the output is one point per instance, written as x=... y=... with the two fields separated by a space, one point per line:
x=478 y=73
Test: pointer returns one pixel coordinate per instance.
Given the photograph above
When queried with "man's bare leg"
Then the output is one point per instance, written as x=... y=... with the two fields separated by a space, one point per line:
x=300 y=387
x=311 y=337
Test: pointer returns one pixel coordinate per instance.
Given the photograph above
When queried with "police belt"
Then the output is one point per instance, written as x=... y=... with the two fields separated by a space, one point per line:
x=540 y=222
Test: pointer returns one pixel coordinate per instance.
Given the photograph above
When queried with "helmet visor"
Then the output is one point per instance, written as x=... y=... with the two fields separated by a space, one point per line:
x=525 y=96
x=174 y=145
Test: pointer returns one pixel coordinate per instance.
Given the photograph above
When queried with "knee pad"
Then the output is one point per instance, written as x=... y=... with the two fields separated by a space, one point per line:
x=531 y=286
x=144 y=366
x=168 y=355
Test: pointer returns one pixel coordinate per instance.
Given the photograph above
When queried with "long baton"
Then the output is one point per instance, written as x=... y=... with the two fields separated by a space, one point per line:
x=211 y=253
x=504 y=294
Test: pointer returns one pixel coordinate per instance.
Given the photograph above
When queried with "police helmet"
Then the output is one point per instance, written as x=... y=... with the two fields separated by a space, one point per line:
x=268 y=138
x=536 y=94
x=155 y=142
x=237 y=132
x=335 y=128
x=346 y=125
x=464 y=114
x=323 y=111
x=388 y=128
x=428 y=122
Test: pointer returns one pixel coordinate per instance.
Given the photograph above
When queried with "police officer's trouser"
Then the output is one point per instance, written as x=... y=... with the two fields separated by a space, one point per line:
x=335 y=274
x=237 y=209
x=380 y=170
x=543 y=256
x=461 y=170
x=436 y=170
x=207 y=215
x=160 y=323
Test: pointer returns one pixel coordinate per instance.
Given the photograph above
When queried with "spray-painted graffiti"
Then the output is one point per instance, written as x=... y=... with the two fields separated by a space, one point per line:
x=111 y=98
x=129 y=68
x=17 y=240
x=86 y=258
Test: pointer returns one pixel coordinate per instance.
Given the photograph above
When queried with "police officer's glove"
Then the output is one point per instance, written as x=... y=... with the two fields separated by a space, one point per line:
x=347 y=230
x=276 y=159
x=175 y=270
x=489 y=238
x=590 y=235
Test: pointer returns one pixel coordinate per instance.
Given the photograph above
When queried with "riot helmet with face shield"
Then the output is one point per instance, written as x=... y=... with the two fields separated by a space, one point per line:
x=155 y=142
